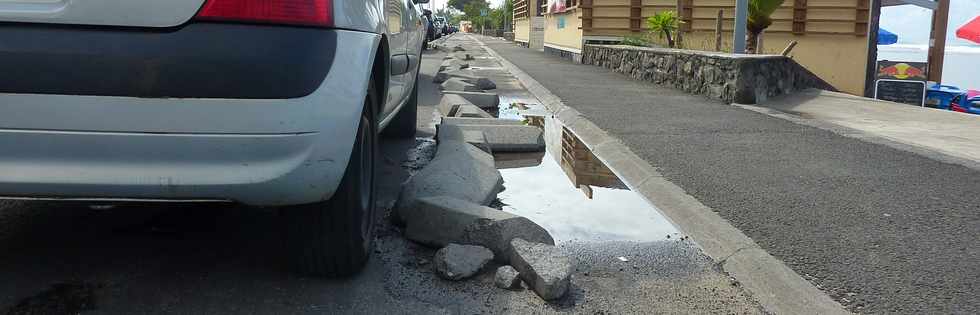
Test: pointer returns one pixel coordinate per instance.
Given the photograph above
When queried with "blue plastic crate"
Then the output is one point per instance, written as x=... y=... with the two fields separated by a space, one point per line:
x=941 y=96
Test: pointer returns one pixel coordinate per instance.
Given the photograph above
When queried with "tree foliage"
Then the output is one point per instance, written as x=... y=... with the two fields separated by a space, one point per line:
x=664 y=24
x=759 y=18
x=461 y=4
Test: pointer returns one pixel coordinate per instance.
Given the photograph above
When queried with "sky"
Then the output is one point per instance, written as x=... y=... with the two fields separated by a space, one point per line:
x=493 y=3
x=912 y=23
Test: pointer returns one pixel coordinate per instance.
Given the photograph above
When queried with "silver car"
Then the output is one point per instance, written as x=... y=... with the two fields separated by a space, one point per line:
x=259 y=102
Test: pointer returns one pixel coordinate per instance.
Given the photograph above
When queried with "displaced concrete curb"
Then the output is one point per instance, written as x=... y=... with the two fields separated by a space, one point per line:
x=480 y=99
x=442 y=220
x=774 y=285
x=459 y=170
x=509 y=138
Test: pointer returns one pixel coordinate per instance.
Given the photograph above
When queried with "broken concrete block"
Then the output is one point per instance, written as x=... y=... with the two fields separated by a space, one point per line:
x=462 y=74
x=440 y=77
x=457 y=262
x=480 y=121
x=503 y=138
x=543 y=267
x=480 y=99
x=454 y=133
x=454 y=105
x=448 y=64
x=441 y=220
x=471 y=111
x=454 y=84
x=459 y=170
x=483 y=83
x=450 y=103
x=507 y=278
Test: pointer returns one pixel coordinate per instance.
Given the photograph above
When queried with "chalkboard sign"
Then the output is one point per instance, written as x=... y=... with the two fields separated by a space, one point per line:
x=901 y=91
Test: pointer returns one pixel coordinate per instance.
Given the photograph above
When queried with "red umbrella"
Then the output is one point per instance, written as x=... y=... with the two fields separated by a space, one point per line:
x=970 y=31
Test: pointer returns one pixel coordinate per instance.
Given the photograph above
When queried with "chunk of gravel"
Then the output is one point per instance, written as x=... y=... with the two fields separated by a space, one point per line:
x=507 y=278
x=457 y=262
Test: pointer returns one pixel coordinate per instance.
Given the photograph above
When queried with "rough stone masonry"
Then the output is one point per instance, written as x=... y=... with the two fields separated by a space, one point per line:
x=733 y=78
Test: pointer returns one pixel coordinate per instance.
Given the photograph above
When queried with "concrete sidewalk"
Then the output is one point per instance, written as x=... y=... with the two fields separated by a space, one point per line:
x=879 y=229
x=938 y=134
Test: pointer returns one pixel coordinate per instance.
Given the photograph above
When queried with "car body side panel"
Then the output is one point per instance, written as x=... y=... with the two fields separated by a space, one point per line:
x=135 y=13
x=263 y=152
x=361 y=15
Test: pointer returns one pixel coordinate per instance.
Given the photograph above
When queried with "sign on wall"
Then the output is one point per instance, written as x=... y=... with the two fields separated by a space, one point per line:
x=901 y=82
x=561 y=22
x=556 y=6
x=902 y=70
x=901 y=91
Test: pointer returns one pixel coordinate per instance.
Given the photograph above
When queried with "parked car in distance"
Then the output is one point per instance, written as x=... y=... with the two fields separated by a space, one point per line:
x=430 y=29
x=212 y=101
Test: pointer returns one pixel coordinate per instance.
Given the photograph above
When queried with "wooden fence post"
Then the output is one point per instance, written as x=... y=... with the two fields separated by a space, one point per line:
x=721 y=13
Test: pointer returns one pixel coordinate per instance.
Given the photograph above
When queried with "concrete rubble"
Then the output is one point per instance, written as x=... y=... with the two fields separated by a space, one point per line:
x=507 y=277
x=440 y=77
x=442 y=220
x=456 y=84
x=457 y=262
x=543 y=267
x=480 y=99
x=444 y=205
x=462 y=73
x=483 y=83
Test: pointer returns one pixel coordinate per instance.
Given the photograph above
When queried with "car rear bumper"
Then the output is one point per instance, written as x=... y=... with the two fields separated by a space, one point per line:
x=257 y=151
x=197 y=60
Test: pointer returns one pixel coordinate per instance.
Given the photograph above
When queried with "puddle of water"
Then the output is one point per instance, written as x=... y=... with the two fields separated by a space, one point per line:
x=538 y=188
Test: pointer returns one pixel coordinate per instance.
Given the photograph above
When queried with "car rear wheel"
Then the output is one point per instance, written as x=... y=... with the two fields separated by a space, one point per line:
x=402 y=126
x=334 y=238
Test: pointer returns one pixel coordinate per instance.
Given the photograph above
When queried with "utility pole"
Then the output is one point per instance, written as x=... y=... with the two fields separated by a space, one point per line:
x=871 y=69
x=741 y=16
x=937 y=42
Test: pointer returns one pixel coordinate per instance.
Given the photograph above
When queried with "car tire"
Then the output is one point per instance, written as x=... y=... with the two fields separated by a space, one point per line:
x=334 y=238
x=403 y=125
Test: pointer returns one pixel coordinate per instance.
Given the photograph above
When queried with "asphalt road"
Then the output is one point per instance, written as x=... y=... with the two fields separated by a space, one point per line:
x=58 y=258
x=879 y=229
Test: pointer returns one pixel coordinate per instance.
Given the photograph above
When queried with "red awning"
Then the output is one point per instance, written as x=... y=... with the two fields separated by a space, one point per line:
x=970 y=31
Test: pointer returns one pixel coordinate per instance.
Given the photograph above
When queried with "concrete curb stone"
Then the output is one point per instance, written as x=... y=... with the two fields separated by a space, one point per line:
x=459 y=170
x=511 y=138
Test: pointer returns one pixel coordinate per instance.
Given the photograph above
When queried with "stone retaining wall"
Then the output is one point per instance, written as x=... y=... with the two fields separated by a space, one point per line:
x=733 y=78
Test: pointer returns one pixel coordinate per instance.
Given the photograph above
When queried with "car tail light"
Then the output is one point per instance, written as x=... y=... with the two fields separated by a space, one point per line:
x=293 y=12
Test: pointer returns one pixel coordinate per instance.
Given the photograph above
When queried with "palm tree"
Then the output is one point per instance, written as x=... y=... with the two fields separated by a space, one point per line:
x=758 y=20
x=664 y=23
